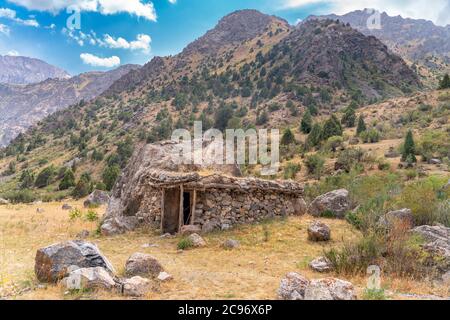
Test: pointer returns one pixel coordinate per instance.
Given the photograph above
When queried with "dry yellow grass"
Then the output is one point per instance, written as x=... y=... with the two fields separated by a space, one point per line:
x=268 y=251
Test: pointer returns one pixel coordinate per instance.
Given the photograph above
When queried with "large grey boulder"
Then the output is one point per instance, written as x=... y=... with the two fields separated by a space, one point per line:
x=293 y=286
x=97 y=198
x=136 y=287
x=321 y=264
x=197 y=241
x=330 y=289
x=190 y=229
x=231 y=244
x=335 y=202
x=403 y=218
x=89 y=278
x=437 y=240
x=3 y=202
x=54 y=262
x=118 y=225
x=319 y=231
x=143 y=265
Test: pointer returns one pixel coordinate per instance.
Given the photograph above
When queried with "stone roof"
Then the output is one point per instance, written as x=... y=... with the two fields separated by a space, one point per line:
x=194 y=180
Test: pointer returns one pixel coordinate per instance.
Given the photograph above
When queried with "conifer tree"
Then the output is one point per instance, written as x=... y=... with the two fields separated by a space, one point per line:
x=307 y=123
x=409 y=148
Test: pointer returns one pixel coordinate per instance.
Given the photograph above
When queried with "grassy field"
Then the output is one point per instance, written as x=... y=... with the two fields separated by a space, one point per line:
x=268 y=251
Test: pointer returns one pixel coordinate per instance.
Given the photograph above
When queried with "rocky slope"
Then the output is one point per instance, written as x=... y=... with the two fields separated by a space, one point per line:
x=22 y=106
x=23 y=70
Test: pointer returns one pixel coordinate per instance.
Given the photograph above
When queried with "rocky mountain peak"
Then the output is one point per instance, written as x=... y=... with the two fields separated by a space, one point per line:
x=24 y=70
x=234 y=28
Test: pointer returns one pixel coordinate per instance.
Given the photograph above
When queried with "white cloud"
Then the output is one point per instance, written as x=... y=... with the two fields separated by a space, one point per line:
x=436 y=10
x=4 y=29
x=173 y=1
x=9 y=14
x=12 y=53
x=138 y=8
x=142 y=42
x=95 y=61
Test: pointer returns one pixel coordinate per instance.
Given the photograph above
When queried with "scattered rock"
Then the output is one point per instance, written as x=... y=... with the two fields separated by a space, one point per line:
x=197 y=241
x=83 y=234
x=190 y=229
x=55 y=262
x=115 y=226
x=164 y=276
x=166 y=236
x=89 y=278
x=319 y=231
x=437 y=244
x=142 y=264
x=149 y=245
x=136 y=287
x=335 y=202
x=435 y=161
x=300 y=207
x=293 y=286
x=40 y=210
x=231 y=244
x=321 y=264
x=330 y=289
x=208 y=227
x=392 y=153
x=225 y=227
x=3 y=202
x=66 y=207
x=403 y=217
x=97 y=198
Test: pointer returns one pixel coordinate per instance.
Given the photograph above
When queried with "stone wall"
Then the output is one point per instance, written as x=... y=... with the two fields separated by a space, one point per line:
x=221 y=209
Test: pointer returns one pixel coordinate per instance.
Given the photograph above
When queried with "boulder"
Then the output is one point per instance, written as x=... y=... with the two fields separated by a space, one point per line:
x=321 y=264
x=392 y=153
x=437 y=240
x=118 y=225
x=136 y=287
x=164 y=276
x=143 y=264
x=335 y=202
x=89 y=278
x=190 y=229
x=292 y=287
x=40 y=210
x=330 y=289
x=403 y=217
x=435 y=161
x=66 y=207
x=3 y=202
x=197 y=241
x=231 y=244
x=300 y=207
x=55 y=262
x=319 y=231
x=97 y=198
x=208 y=227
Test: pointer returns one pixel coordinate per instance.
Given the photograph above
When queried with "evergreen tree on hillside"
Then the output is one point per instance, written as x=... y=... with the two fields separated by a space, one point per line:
x=409 y=148
x=331 y=128
x=349 y=118
x=307 y=123
x=68 y=180
x=288 y=137
x=445 y=82
x=315 y=136
x=361 y=126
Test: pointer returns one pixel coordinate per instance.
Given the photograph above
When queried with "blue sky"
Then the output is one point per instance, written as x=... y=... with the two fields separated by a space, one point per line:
x=114 y=32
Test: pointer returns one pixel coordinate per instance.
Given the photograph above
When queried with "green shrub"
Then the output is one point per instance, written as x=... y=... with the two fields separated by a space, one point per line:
x=91 y=216
x=315 y=165
x=83 y=187
x=185 y=244
x=287 y=138
x=26 y=180
x=291 y=170
x=21 y=196
x=45 y=177
x=68 y=181
x=110 y=175
x=374 y=294
x=370 y=136
x=75 y=214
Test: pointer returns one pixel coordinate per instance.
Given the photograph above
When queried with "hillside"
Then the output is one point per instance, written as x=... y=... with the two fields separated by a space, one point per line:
x=24 y=70
x=22 y=106
x=265 y=75
x=425 y=45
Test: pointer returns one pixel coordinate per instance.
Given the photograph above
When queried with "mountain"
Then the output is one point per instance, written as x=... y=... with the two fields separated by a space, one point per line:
x=420 y=42
x=23 y=70
x=22 y=106
x=262 y=72
x=413 y=38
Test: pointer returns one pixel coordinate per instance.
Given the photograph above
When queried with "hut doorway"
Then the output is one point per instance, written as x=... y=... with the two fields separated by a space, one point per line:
x=177 y=206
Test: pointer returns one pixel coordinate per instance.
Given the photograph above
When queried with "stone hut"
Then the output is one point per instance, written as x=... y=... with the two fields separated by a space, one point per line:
x=157 y=192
